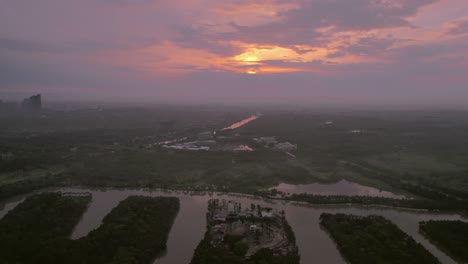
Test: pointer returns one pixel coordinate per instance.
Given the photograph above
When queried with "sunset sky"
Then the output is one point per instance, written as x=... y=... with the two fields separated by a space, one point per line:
x=305 y=51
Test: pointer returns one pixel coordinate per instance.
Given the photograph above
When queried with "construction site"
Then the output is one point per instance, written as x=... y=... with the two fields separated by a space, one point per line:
x=254 y=227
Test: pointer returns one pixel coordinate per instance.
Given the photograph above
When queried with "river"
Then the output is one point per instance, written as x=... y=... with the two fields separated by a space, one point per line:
x=315 y=246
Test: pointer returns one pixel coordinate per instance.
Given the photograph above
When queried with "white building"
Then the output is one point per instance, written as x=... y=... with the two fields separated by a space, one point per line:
x=286 y=146
x=267 y=213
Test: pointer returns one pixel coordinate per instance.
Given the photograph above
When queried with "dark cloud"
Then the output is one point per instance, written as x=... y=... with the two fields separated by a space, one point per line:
x=28 y=46
x=123 y=48
x=187 y=36
x=372 y=45
x=299 y=25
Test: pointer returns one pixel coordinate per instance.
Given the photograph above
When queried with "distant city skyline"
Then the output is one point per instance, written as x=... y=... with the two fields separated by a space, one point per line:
x=373 y=52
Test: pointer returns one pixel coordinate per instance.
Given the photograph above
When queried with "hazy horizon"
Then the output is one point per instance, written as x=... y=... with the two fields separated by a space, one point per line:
x=340 y=53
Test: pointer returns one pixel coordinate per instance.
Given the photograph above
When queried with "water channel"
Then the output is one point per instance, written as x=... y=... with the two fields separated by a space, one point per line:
x=315 y=246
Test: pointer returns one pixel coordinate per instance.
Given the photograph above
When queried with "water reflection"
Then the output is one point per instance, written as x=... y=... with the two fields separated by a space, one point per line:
x=342 y=187
x=315 y=246
x=241 y=123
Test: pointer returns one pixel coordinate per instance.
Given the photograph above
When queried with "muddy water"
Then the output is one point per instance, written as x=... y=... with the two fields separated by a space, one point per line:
x=314 y=244
x=342 y=187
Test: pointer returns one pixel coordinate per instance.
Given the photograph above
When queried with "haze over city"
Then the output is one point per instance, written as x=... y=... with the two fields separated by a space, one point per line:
x=233 y=132
x=375 y=52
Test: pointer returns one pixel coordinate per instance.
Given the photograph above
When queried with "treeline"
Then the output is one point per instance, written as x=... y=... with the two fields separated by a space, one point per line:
x=373 y=239
x=206 y=253
x=268 y=256
x=132 y=233
x=413 y=184
x=28 y=185
x=444 y=205
x=288 y=230
x=37 y=230
x=450 y=236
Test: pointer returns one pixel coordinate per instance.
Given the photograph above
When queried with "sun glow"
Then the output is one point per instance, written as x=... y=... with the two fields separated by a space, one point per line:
x=251 y=59
x=251 y=72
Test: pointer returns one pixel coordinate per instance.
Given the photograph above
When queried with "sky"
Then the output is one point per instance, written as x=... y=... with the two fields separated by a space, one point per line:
x=402 y=52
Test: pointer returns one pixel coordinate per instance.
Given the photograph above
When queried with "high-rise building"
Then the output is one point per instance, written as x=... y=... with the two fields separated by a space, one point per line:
x=32 y=103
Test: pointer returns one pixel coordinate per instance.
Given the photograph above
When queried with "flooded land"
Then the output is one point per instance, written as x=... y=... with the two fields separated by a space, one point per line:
x=190 y=224
x=342 y=187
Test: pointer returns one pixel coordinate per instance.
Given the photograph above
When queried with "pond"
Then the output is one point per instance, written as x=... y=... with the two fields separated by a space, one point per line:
x=315 y=246
x=342 y=187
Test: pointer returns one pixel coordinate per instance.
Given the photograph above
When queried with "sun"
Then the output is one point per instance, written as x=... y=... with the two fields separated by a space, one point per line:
x=251 y=72
x=251 y=59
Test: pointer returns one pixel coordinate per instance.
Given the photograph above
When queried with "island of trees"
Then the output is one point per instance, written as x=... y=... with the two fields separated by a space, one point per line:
x=37 y=230
x=449 y=204
x=373 y=239
x=449 y=236
x=134 y=232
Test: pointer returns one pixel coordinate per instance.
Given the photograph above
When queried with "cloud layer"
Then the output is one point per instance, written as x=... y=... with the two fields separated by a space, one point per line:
x=310 y=51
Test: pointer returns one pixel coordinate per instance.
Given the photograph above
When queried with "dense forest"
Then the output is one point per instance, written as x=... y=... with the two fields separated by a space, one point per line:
x=206 y=253
x=450 y=236
x=37 y=230
x=441 y=205
x=134 y=232
x=373 y=239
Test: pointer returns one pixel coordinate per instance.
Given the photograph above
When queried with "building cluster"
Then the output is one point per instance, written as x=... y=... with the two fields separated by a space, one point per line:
x=194 y=145
x=33 y=103
x=228 y=218
x=286 y=146
x=258 y=226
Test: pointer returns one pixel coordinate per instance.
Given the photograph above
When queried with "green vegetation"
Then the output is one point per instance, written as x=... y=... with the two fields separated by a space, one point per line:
x=37 y=230
x=373 y=239
x=444 y=205
x=268 y=256
x=12 y=184
x=134 y=232
x=450 y=236
x=206 y=253
x=119 y=148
